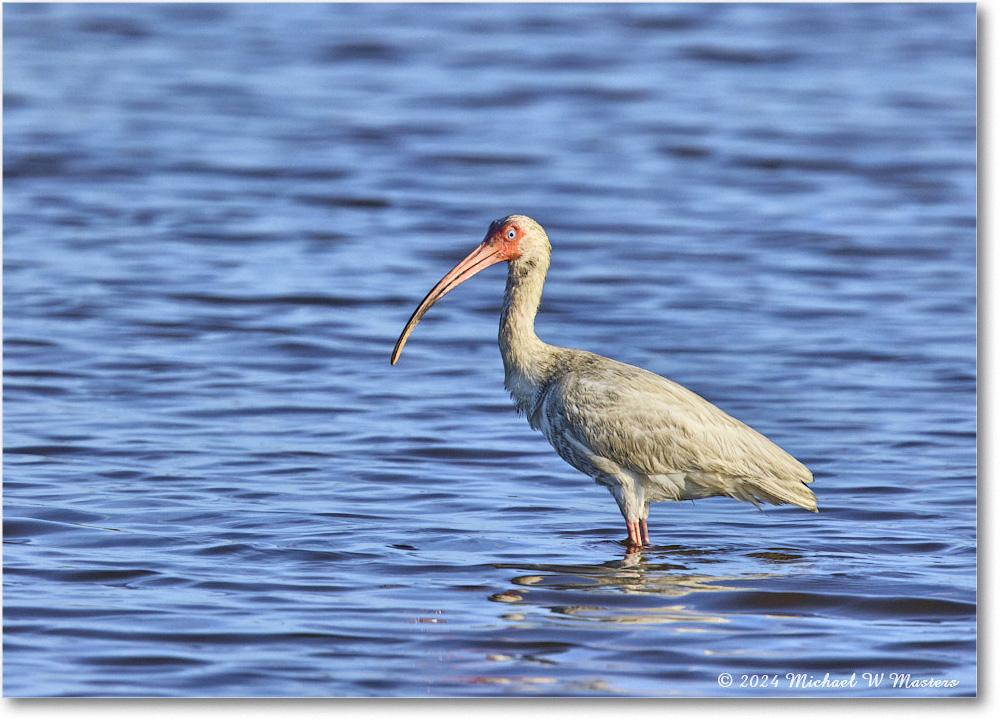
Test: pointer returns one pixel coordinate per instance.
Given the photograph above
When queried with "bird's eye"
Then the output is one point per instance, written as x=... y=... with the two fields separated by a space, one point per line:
x=511 y=234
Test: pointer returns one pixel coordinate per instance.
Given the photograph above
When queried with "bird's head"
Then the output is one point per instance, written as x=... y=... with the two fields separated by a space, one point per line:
x=517 y=239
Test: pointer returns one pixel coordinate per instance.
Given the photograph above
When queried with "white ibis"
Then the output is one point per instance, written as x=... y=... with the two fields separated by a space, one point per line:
x=643 y=437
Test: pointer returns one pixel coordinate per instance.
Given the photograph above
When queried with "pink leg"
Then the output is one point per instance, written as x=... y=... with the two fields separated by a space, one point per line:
x=645 y=531
x=634 y=532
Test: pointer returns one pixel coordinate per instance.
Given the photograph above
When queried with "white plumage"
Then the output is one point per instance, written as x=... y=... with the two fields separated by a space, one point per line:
x=643 y=437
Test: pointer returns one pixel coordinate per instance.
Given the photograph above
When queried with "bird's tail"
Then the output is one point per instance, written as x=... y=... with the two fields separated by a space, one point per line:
x=775 y=491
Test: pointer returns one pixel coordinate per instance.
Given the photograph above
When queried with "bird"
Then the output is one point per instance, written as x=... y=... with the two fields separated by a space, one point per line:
x=643 y=437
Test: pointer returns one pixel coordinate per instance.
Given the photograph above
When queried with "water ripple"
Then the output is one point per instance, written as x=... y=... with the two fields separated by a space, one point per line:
x=218 y=217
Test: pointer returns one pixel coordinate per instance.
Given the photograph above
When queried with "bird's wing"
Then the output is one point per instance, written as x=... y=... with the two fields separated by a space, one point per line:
x=650 y=425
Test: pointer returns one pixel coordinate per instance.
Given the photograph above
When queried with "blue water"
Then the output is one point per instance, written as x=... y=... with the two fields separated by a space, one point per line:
x=217 y=219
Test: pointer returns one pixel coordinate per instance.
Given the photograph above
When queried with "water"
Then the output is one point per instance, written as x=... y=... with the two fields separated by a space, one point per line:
x=218 y=218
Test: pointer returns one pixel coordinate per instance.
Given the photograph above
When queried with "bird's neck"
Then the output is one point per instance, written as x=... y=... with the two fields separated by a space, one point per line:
x=527 y=361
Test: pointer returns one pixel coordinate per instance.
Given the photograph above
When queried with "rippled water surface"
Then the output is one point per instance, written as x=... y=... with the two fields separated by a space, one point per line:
x=218 y=218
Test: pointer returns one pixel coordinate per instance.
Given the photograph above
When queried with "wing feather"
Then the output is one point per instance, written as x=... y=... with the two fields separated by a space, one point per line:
x=652 y=426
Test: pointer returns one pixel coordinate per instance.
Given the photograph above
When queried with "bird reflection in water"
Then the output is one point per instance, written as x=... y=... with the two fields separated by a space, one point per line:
x=607 y=582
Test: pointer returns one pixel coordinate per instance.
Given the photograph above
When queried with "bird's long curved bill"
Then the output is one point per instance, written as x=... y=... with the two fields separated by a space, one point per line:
x=482 y=257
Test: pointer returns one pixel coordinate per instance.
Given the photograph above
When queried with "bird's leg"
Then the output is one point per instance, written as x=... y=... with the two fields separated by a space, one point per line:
x=631 y=502
x=634 y=532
